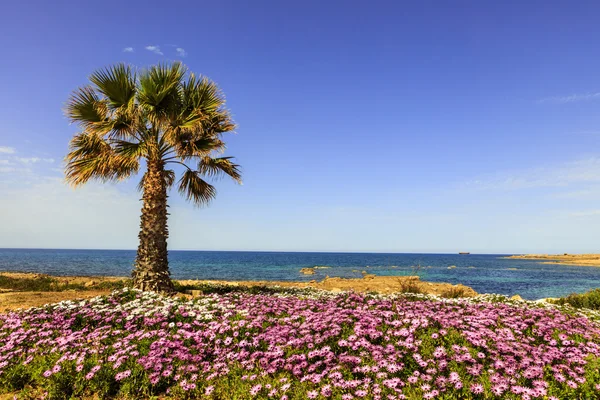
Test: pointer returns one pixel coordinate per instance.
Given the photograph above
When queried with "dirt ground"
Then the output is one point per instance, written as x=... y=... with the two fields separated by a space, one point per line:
x=11 y=300
x=15 y=300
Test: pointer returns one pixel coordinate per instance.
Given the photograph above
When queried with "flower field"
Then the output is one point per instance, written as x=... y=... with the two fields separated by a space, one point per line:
x=298 y=344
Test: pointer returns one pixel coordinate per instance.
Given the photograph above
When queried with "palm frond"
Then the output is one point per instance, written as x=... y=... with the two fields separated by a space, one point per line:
x=130 y=149
x=217 y=167
x=202 y=95
x=92 y=157
x=85 y=144
x=218 y=123
x=195 y=188
x=124 y=123
x=187 y=146
x=169 y=177
x=117 y=83
x=159 y=89
x=85 y=107
x=160 y=115
x=201 y=99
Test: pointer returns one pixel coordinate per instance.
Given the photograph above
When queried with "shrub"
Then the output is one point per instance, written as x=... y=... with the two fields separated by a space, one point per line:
x=411 y=286
x=49 y=284
x=589 y=300
x=455 y=292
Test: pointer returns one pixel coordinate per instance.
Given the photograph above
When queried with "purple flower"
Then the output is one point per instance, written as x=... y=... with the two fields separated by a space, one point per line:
x=255 y=389
x=477 y=388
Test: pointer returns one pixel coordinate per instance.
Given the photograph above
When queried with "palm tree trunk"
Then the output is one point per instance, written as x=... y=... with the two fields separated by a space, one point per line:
x=151 y=272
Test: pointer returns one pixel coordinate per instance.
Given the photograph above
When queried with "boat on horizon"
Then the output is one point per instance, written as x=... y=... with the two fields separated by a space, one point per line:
x=464 y=253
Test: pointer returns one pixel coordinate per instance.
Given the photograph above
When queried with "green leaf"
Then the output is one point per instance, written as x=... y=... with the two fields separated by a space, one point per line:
x=84 y=107
x=159 y=89
x=117 y=83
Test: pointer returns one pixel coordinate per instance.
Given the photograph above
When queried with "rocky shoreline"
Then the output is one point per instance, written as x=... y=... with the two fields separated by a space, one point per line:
x=589 y=260
x=368 y=283
x=92 y=286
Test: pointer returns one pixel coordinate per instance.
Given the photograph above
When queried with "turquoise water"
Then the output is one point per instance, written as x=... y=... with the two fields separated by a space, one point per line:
x=484 y=273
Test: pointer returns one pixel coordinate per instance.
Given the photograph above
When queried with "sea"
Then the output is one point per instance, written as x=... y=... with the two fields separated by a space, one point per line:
x=486 y=273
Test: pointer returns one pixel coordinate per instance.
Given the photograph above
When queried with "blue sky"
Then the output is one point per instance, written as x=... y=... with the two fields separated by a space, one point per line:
x=363 y=126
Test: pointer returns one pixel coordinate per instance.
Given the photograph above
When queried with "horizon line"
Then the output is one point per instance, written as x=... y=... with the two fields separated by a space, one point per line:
x=268 y=251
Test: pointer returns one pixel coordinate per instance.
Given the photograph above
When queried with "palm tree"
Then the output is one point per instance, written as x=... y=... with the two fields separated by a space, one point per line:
x=155 y=118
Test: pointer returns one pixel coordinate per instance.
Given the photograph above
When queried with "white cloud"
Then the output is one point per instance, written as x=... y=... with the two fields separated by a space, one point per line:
x=571 y=98
x=181 y=52
x=584 y=214
x=591 y=192
x=28 y=160
x=4 y=162
x=128 y=50
x=33 y=160
x=5 y=170
x=584 y=171
x=7 y=150
x=154 y=49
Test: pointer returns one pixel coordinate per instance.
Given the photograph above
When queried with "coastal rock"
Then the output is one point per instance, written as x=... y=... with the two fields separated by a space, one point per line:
x=307 y=271
x=516 y=297
x=90 y=284
x=452 y=267
x=591 y=260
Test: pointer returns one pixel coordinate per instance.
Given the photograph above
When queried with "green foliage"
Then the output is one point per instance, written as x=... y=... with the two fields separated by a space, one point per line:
x=162 y=115
x=590 y=300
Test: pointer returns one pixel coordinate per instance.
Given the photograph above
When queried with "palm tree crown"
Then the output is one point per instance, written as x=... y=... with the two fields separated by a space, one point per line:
x=161 y=116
